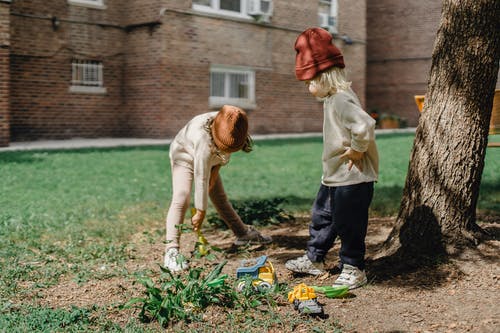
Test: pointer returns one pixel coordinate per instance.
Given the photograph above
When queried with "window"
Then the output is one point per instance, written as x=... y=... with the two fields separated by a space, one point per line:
x=327 y=15
x=235 y=8
x=246 y=9
x=259 y=10
x=87 y=76
x=229 y=85
x=88 y=3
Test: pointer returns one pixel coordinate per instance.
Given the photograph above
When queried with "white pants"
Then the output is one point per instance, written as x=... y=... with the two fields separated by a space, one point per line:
x=182 y=180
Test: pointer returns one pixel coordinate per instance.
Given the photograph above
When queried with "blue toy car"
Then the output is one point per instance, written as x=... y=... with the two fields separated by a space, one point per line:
x=261 y=270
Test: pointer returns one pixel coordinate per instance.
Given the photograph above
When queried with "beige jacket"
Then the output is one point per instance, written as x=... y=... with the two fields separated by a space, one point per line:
x=347 y=125
x=192 y=147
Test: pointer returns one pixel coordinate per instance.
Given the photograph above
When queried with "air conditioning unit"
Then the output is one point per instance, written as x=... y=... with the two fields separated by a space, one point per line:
x=327 y=22
x=260 y=7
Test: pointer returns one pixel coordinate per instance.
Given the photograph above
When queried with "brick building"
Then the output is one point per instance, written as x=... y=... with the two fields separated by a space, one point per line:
x=142 y=68
x=400 y=41
x=4 y=72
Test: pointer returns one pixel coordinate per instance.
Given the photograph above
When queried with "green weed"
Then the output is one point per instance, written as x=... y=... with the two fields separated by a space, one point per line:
x=35 y=319
x=184 y=297
x=257 y=212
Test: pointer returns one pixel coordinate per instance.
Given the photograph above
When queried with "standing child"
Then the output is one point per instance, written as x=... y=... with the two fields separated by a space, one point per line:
x=196 y=155
x=350 y=162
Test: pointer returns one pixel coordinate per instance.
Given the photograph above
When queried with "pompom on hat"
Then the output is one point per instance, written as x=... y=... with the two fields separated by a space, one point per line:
x=230 y=129
x=315 y=53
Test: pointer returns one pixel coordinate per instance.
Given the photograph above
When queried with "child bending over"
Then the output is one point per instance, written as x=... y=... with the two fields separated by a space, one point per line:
x=197 y=152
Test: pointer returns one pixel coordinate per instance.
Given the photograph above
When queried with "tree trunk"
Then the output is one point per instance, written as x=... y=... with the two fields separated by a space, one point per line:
x=438 y=208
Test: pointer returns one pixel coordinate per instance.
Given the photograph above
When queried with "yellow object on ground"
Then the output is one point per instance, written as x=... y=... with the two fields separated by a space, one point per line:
x=261 y=270
x=202 y=244
x=301 y=292
x=203 y=247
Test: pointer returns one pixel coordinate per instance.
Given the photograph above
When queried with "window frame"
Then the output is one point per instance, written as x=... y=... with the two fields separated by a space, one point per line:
x=80 y=85
x=332 y=14
x=245 y=103
x=214 y=8
x=97 y=4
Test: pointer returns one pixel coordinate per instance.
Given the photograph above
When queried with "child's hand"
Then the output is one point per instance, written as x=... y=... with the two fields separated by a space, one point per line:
x=354 y=158
x=197 y=219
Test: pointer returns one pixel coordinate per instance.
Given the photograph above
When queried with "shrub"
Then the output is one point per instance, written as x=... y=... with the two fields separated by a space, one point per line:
x=256 y=212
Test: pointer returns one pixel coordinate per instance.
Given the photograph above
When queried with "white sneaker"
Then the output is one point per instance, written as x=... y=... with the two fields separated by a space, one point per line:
x=351 y=276
x=305 y=265
x=175 y=261
x=252 y=237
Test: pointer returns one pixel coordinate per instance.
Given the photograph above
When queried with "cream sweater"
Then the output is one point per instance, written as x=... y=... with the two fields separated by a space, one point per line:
x=346 y=125
x=192 y=148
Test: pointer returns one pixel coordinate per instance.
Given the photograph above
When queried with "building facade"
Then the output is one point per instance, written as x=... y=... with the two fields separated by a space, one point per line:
x=142 y=68
x=399 y=50
x=4 y=73
x=400 y=42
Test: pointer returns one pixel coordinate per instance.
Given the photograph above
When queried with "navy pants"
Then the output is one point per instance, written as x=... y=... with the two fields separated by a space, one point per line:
x=340 y=211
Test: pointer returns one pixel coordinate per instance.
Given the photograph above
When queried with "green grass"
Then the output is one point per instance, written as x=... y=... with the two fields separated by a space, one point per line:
x=72 y=212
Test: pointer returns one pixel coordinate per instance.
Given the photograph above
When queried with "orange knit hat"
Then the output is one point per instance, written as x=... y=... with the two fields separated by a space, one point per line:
x=315 y=53
x=230 y=129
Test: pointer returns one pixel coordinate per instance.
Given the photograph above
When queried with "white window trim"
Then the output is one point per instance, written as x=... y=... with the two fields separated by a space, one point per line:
x=88 y=90
x=93 y=87
x=215 y=9
x=97 y=4
x=244 y=103
x=332 y=13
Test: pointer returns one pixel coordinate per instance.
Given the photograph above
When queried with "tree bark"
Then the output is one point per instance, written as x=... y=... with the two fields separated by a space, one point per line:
x=438 y=208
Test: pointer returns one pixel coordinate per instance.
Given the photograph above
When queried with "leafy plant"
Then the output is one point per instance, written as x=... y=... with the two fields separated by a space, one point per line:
x=203 y=249
x=183 y=297
x=258 y=212
x=250 y=296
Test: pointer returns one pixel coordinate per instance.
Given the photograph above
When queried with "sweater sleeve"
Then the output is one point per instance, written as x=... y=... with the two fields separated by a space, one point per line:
x=358 y=122
x=201 y=171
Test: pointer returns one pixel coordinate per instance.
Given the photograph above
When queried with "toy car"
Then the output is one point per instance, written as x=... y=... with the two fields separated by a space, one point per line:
x=260 y=270
x=304 y=300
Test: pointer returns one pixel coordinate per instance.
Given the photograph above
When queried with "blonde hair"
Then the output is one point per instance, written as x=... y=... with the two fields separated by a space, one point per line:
x=333 y=79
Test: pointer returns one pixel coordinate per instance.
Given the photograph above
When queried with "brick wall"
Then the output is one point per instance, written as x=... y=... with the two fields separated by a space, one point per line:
x=401 y=38
x=4 y=73
x=42 y=107
x=157 y=75
x=168 y=70
x=352 y=22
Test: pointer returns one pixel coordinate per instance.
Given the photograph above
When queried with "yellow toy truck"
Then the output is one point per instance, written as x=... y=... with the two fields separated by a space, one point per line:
x=304 y=300
x=261 y=270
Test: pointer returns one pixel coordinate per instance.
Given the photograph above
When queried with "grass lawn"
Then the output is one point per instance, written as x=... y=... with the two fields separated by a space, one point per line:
x=67 y=212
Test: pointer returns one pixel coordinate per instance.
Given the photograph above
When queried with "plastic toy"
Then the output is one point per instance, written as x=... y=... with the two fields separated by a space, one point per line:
x=331 y=292
x=304 y=300
x=261 y=270
x=202 y=243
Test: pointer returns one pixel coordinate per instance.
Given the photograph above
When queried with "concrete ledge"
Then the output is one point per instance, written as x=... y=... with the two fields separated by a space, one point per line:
x=80 y=143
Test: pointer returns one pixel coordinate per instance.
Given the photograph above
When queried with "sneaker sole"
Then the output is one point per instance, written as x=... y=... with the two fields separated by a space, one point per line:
x=351 y=287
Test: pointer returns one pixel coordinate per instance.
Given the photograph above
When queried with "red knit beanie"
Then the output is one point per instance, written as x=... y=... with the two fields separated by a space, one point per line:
x=315 y=53
x=230 y=129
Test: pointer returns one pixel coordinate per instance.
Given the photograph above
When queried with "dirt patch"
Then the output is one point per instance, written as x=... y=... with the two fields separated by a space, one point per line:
x=461 y=295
